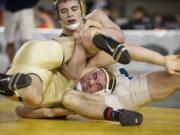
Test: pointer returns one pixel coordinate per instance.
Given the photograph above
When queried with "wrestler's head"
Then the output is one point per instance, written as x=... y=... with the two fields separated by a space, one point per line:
x=70 y=13
x=97 y=80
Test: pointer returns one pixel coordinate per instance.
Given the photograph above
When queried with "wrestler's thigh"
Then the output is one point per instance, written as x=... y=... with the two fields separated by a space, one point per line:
x=161 y=84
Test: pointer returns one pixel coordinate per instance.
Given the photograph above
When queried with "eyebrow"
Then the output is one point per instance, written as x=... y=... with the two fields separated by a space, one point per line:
x=74 y=6
x=63 y=9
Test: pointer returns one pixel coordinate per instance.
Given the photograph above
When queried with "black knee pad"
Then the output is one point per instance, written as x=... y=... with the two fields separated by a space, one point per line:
x=20 y=81
x=10 y=83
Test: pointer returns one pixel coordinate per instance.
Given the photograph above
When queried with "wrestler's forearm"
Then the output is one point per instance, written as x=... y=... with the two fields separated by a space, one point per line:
x=101 y=59
x=114 y=33
x=68 y=44
x=76 y=64
x=42 y=112
x=141 y=54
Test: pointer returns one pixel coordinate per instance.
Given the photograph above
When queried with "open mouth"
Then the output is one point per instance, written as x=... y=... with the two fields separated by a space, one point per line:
x=72 y=21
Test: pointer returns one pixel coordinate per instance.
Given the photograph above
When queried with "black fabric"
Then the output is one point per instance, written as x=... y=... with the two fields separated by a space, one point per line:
x=10 y=83
x=112 y=47
x=63 y=35
x=101 y=41
x=16 y=5
x=23 y=81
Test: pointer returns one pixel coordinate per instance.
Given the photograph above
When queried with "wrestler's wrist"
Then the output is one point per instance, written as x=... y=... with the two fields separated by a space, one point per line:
x=167 y=61
x=94 y=31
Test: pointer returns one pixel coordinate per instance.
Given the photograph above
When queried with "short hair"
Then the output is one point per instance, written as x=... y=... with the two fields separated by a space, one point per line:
x=81 y=2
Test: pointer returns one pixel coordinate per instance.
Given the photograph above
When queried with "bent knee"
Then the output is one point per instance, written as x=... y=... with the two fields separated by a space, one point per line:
x=20 y=112
x=32 y=98
x=35 y=101
x=34 y=93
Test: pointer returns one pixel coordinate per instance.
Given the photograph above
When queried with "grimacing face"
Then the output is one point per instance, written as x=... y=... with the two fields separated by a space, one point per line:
x=69 y=11
x=94 y=81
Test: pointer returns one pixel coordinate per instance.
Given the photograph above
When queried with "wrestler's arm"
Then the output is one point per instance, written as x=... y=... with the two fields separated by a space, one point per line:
x=101 y=59
x=101 y=24
x=73 y=68
x=170 y=62
x=68 y=44
x=142 y=54
x=138 y=53
x=42 y=112
x=109 y=28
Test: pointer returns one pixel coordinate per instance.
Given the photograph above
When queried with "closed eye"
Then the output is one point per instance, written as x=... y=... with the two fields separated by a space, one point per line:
x=63 y=11
x=99 y=86
x=95 y=76
x=75 y=8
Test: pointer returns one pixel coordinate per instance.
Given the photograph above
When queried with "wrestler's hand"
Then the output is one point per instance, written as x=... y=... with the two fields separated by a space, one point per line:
x=89 y=30
x=86 y=39
x=172 y=64
x=90 y=23
x=85 y=35
x=87 y=25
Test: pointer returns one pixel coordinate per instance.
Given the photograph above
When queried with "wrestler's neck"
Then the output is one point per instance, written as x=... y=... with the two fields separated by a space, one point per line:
x=69 y=32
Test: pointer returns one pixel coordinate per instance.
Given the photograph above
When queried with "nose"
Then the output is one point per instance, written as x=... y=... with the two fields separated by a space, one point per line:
x=91 y=83
x=70 y=13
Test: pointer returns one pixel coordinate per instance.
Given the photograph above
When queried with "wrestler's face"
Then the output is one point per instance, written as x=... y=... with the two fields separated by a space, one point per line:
x=69 y=12
x=93 y=81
